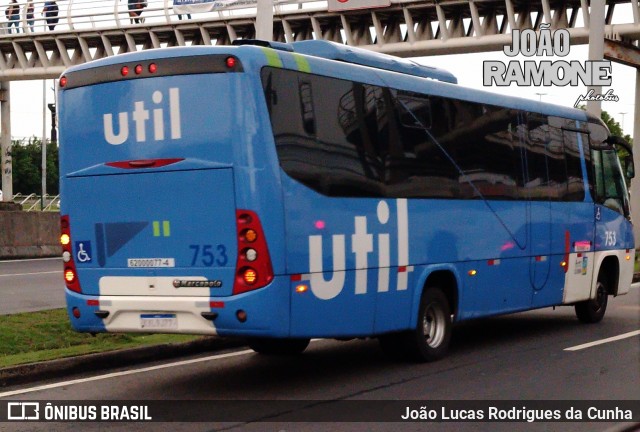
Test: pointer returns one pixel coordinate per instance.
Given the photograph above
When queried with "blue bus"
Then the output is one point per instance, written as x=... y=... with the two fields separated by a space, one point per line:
x=283 y=192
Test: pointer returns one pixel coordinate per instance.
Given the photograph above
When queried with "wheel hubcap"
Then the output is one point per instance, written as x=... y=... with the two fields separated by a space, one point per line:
x=433 y=325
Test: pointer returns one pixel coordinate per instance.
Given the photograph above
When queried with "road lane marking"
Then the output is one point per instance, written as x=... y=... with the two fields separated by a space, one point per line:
x=124 y=373
x=604 y=341
x=30 y=259
x=30 y=274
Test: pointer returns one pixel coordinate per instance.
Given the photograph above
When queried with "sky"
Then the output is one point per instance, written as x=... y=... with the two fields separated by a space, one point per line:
x=27 y=96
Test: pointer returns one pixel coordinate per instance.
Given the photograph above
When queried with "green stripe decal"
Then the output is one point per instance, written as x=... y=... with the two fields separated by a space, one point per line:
x=156 y=229
x=303 y=64
x=273 y=59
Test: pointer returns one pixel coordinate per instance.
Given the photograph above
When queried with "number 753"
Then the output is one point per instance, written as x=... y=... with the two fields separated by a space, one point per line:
x=209 y=255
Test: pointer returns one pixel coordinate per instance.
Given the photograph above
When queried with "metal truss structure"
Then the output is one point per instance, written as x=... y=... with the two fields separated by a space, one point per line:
x=405 y=28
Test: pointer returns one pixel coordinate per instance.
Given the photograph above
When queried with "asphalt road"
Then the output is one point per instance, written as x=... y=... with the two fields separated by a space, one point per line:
x=516 y=357
x=31 y=285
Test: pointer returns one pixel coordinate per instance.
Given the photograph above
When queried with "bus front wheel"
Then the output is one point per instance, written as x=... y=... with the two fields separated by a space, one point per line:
x=281 y=347
x=429 y=341
x=592 y=310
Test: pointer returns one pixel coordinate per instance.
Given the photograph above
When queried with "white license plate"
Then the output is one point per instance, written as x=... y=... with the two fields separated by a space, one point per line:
x=151 y=262
x=158 y=322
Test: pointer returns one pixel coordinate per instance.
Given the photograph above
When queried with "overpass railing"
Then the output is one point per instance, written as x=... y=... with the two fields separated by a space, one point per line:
x=74 y=15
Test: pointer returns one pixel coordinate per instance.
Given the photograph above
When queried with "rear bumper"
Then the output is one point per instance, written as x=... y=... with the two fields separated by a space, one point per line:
x=266 y=309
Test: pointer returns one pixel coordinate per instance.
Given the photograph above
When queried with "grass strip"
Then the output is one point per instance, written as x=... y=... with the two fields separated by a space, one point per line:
x=47 y=335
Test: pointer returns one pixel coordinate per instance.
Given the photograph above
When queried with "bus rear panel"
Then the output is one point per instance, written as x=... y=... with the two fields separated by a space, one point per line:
x=162 y=236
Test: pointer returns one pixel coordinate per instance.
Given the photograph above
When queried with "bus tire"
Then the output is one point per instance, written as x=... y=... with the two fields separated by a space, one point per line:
x=592 y=311
x=281 y=347
x=429 y=341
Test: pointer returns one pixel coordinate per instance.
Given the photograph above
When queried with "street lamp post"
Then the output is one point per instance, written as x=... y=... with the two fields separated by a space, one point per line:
x=622 y=126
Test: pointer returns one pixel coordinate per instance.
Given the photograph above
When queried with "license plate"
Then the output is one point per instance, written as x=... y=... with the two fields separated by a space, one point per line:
x=151 y=262
x=158 y=322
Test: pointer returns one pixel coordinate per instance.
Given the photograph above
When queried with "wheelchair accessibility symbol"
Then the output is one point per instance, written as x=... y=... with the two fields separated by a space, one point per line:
x=83 y=251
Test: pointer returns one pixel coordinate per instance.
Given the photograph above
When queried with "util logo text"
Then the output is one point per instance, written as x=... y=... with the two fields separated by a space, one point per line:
x=361 y=246
x=140 y=116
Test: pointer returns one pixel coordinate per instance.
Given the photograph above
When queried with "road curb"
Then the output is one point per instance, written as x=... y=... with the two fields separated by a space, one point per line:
x=59 y=368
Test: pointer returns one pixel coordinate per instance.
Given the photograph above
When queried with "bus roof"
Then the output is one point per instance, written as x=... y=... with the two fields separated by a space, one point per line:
x=406 y=74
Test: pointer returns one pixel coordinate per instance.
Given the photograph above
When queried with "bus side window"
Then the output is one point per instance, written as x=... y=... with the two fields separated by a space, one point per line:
x=536 y=184
x=575 y=178
x=611 y=190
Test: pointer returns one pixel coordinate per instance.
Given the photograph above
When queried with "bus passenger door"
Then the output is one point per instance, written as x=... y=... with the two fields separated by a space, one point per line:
x=539 y=190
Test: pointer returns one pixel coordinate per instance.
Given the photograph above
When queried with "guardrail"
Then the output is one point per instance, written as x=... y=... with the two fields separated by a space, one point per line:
x=32 y=202
x=74 y=15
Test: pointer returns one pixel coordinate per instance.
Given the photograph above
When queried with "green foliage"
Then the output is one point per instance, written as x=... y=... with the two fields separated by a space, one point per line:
x=27 y=162
x=614 y=127
x=46 y=335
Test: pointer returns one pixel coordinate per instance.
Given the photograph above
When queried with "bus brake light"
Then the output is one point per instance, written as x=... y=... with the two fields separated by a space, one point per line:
x=253 y=266
x=250 y=276
x=70 y=274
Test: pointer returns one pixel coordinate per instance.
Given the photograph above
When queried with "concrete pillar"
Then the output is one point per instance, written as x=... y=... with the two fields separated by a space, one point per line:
x=596 y=48
x=635 y=183
x=264 y=20
x=5 y=141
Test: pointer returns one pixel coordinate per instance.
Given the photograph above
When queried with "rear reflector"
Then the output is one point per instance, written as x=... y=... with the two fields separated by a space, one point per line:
x=143 y=163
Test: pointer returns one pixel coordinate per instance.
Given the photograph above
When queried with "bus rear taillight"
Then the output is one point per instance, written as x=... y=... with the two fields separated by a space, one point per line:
x=253 y=268
x=70 y=274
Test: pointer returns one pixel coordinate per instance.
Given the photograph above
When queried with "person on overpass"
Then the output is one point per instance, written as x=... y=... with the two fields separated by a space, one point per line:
x=12 y=13
x=135 y=10
x=28 y=9
x=50 y=12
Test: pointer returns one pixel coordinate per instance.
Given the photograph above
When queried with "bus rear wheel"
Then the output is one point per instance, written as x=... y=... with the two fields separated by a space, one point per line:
x=429 y=341
x=282 y=347
x=592 y=310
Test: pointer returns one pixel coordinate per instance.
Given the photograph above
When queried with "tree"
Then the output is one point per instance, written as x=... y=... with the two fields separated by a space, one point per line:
x=27 y=162
x=614 y=127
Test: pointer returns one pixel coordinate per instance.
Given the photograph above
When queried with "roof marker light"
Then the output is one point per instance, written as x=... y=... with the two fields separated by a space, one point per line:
x=230 y=62
x=124 y=71
x=138 y=69
x=63 y=81
x=153 y=68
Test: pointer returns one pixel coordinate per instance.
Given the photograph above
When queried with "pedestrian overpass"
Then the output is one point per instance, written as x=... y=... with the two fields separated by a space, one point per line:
x=93 y=29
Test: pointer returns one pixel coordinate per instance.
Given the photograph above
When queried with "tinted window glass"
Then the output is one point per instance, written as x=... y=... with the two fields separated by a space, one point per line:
x=575 y=180
x=344 y=138
x=611 y=190
x=327 y=131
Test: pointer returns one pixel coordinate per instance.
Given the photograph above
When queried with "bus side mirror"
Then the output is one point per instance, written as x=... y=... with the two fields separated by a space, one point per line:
x=629 y=167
